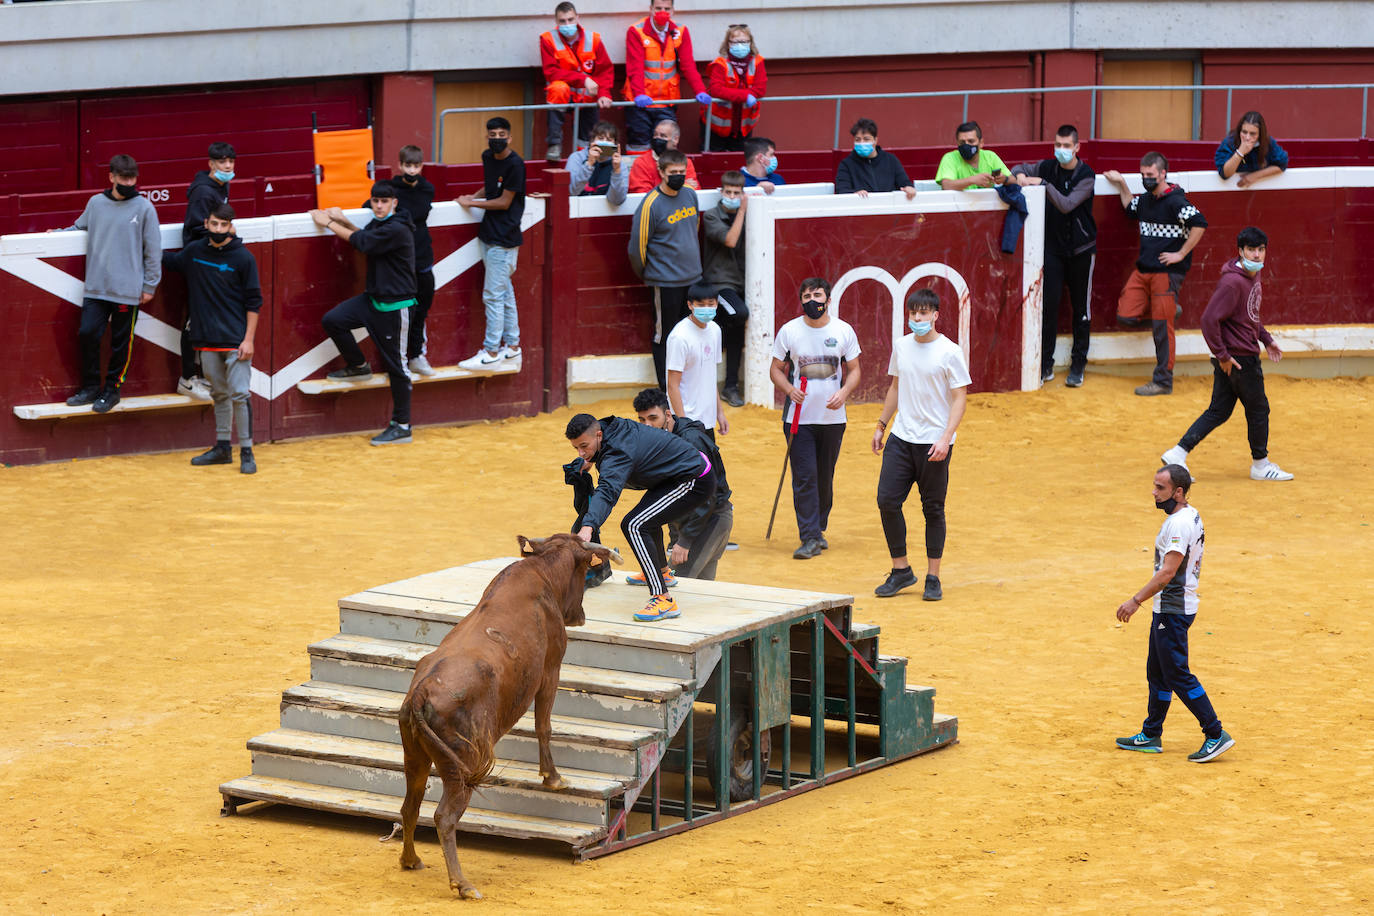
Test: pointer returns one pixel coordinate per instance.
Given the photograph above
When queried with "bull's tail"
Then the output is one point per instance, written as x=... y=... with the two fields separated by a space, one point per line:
x=485 y=759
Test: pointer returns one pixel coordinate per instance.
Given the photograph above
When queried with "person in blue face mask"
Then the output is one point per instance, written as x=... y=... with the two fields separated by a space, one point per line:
x=1070 y=246
x=576 y=69
x=1232 y=328
x=736 y=82
x=722 y=267
x=694 y=352
x=927 y=397
x=761 y=165
x=209 y=189
x=870 y=169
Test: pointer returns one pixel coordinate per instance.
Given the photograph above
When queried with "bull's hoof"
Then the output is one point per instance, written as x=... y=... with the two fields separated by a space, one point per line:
x=412 y=865
x=468 y=892
x=555 y=782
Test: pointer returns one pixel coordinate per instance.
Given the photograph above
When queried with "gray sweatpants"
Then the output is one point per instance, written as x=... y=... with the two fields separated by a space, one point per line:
x=229 y=377
x=710 y=545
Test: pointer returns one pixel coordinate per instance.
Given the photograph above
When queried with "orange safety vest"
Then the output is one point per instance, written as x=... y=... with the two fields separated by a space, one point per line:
x=582 y=59
x=721 y=114
x=661 y=77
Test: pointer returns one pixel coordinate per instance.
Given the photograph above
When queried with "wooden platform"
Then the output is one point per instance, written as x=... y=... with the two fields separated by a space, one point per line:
x=637 y=702
x=59 y=410
x=381 y=380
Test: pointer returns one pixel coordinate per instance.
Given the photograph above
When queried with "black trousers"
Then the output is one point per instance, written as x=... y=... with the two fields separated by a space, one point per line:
x=906 y=463
x=1076 y=272
x=1167 y=672
x=815 y=450
x=732 y=315
x=95 y=315
x=670 y=307
x=1246 y=385
x=586 y=117
x=670 y=501
x=424 y=298
x=387 y=330
x=190 y=363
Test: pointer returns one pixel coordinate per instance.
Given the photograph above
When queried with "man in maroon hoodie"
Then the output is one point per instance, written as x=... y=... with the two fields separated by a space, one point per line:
x=1232 y=328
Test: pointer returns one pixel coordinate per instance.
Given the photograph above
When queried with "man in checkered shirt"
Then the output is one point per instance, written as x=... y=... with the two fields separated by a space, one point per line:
x=1170 y=228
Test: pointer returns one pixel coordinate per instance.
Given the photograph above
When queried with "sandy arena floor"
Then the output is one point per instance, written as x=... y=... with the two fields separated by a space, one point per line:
x=153 y=612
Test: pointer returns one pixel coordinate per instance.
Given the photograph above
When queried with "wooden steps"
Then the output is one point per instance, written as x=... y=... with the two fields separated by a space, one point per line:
x=60 y=411
x=381 y=380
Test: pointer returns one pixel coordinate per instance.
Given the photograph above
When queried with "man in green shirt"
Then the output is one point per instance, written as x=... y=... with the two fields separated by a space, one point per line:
x=970 y=166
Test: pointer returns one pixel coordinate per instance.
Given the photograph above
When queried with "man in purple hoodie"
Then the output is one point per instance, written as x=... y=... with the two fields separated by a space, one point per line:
x=1232 y=328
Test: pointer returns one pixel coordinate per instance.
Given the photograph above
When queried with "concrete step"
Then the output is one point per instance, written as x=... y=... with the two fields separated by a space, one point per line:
x=388 y=808
x=362 y=712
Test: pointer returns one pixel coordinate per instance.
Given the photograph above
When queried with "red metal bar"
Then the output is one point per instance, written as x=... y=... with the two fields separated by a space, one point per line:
x=849 y=646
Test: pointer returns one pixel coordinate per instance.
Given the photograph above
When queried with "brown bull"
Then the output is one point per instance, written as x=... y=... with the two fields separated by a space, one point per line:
x=477 y=684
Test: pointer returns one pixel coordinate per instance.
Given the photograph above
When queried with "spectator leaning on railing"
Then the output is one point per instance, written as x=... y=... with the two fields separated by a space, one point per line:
x=761 y=165
x=658 y=57
x=1250 y=151
x=597 y=171
x=738 y=77
x=969 y=165
x=870 y=169
x=576 y=69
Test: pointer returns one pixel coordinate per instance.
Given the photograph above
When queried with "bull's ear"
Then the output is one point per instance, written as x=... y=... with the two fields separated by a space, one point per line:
x=526 y=546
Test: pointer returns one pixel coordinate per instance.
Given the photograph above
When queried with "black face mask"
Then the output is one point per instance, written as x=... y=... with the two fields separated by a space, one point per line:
x=219 y=238
x=498 y=145
x=968 y=150
x=1150 y=183
x=677 y=181
x=1168 y=506
x=813 y=309
x=658 y=145
x=127 y=191
x=411 y=179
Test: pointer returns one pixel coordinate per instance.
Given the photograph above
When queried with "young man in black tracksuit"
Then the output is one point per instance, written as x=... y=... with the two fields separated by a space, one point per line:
x=1070 y=247
x=225 y=298
x=703 y=535
x=677 y=479
x=209 y=189
x=384 y=307
x=415 y=195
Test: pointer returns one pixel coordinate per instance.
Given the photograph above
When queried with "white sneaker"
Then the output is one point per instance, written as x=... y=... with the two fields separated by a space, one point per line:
x=420 y=366
x=481 y=361
x=1176 y=455
x=512 y=358
x=197 y=388
x=1268 y=470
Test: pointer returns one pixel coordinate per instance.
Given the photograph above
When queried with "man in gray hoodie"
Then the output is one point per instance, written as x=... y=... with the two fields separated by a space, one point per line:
x=123 y=269
x=663 y=248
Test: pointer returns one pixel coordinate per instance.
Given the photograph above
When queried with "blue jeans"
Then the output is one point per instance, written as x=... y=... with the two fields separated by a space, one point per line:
x=498 y=295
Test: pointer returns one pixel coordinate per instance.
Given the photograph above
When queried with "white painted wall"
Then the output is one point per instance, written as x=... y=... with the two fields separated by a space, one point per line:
x=78 y=45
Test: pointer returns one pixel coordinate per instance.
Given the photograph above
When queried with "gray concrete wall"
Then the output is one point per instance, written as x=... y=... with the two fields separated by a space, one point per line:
x=80 y=45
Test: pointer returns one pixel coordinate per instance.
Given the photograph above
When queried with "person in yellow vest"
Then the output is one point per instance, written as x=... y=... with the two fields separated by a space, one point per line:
x=658 y=57
x=737 y=77
x=576 y=69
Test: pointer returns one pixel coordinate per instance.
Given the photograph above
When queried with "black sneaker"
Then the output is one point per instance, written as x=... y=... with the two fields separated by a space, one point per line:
x=897 y=580
x=83 y=397
x=932 y=592
x=808 y=549
x=732 y=396
x=1075 y=379
x=108 y=398
x=352 y=372
x=825 y=545
x=598 y=574
x=218 y=454
x=246 y=463
x=394 y=433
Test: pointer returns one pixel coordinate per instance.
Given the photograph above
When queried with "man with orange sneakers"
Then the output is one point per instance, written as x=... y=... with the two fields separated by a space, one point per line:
x=576 y=69
x=658 y=57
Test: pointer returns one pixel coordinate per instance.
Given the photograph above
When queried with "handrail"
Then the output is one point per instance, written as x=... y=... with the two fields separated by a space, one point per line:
x=840 y=99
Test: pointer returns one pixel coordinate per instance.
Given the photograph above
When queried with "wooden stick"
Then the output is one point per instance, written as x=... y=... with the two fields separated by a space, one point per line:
x=786 y=459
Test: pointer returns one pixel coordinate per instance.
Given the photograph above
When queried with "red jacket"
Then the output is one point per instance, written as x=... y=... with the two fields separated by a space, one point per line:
x=734 y=119
x=552 y=47
x=634 y=58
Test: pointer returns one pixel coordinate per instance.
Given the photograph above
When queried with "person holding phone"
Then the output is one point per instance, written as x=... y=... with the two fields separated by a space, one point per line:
x=597 y=170
x=970 y=166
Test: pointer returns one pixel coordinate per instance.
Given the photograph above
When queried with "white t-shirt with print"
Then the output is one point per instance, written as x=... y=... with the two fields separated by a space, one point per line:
x=1180 y=533
x=816 y=354
x=695 y=352
x=927 y=375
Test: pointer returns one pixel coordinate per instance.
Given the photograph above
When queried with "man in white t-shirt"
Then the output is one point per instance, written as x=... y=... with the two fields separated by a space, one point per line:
x=1178 y=562
x=928 y=394
x=693 y=352
x=815 y=365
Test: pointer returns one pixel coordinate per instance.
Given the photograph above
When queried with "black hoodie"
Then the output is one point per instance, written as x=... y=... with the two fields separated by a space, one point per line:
x=390 y=248
x=202 y=197
x=416 y=199
x=222 y=284
x=640 y=457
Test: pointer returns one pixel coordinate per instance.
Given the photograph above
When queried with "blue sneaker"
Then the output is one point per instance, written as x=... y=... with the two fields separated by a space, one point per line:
x=1212 y=748
x=1141 y=742
x=660 y=607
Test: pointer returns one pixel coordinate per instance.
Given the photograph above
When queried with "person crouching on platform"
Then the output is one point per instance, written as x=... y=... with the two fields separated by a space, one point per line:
x=702 y=538
x=928 y=394
x=384 y=306
x=676 y=477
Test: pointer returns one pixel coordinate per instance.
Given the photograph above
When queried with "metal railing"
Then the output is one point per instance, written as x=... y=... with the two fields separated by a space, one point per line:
x=1196 y=88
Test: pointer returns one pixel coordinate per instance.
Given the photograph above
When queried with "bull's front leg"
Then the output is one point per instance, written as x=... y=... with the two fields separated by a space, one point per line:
x=543 y=730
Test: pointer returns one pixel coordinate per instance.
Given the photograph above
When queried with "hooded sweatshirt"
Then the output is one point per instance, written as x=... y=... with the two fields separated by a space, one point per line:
x=416 y=199
x=663 y=239
x=390 y=248
x=222 y=284
x=202 y=197
x=1231 y=322
x=123 y=248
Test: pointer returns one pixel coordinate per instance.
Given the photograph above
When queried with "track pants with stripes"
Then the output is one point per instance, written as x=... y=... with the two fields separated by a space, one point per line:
x=1166 y=670
x=95 y=315
x=389 y=331
x=643 y=525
